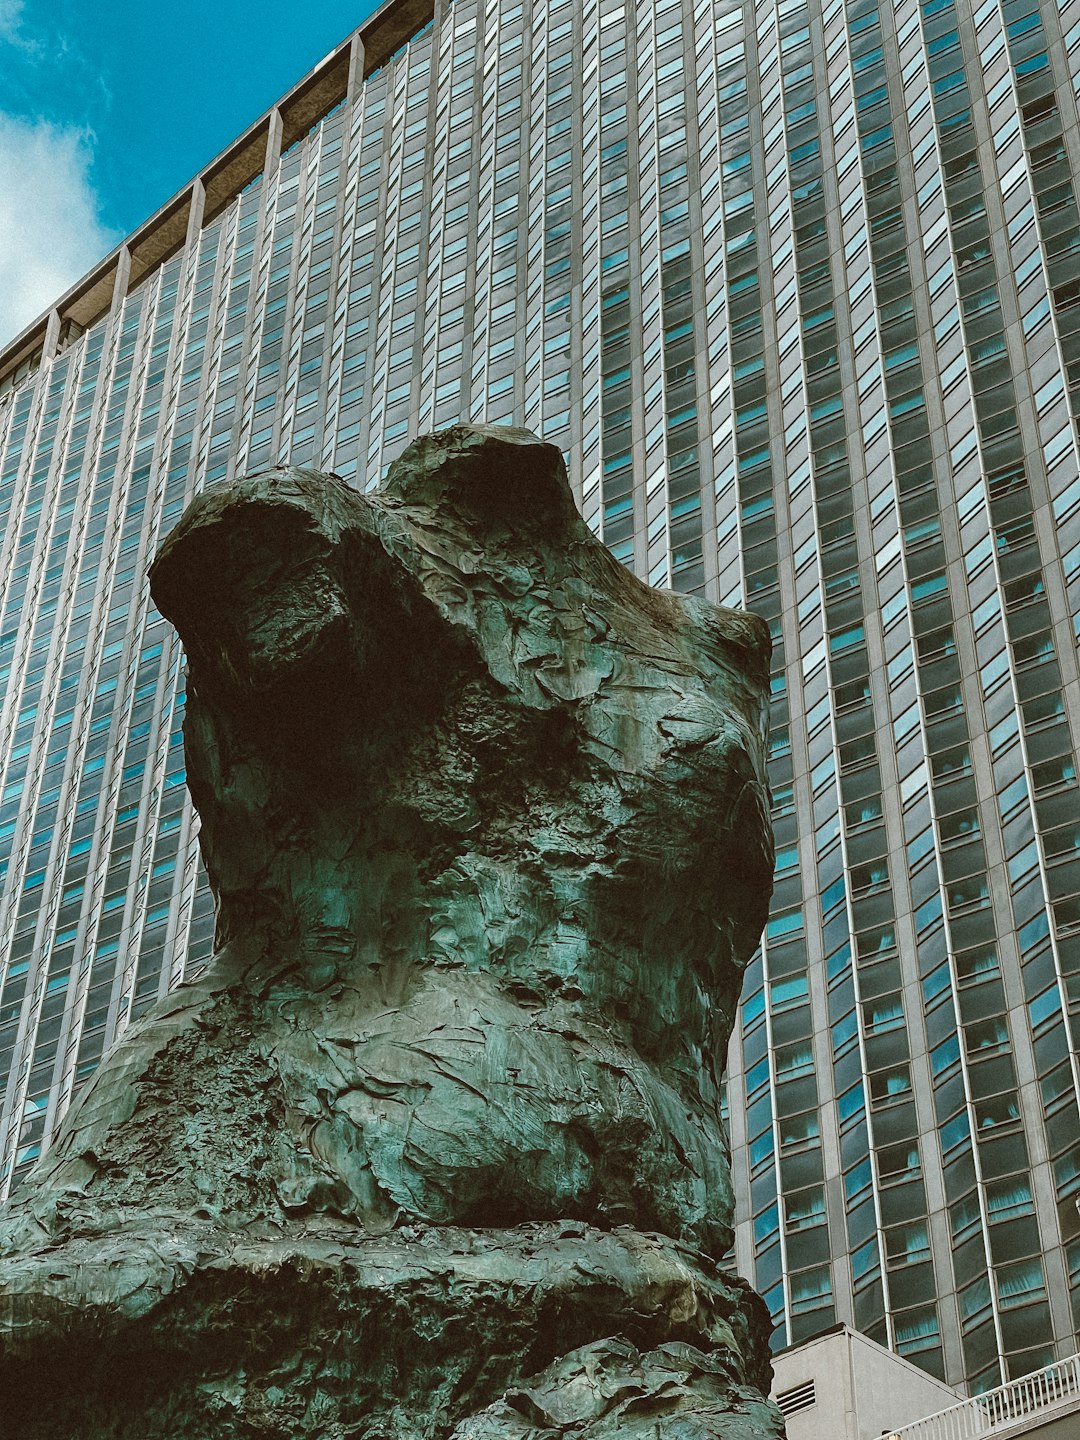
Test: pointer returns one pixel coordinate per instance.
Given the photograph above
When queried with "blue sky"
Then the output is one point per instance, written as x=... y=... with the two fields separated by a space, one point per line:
x=107 y=108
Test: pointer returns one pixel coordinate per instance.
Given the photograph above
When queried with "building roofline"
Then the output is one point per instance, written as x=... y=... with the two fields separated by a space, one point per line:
x=217 y=184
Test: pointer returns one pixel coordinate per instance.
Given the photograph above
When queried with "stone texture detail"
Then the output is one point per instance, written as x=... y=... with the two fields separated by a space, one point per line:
x=432 y=1148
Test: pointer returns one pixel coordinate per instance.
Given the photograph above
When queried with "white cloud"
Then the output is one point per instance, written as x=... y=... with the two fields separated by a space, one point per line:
x=10 y=20
x=50 y=229
x=13 y=32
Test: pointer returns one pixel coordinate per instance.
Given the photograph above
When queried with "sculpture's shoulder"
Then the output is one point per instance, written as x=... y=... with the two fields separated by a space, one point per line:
x=291 y=487
x=744 y=636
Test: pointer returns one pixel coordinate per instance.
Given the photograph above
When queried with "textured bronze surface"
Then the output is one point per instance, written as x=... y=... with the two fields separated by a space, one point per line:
x=432 y=1148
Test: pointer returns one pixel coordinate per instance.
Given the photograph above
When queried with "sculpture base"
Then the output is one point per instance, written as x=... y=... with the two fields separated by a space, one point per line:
x=183 y=1329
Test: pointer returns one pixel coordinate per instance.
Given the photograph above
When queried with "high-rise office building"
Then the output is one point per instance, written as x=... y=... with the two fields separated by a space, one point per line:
x=796 y=286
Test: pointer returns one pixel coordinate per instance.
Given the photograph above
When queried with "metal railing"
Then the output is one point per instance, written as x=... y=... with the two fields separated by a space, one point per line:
x=1025 y=1399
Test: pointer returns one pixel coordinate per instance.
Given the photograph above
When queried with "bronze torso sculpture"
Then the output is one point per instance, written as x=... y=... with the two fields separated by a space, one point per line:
x=432 y=1148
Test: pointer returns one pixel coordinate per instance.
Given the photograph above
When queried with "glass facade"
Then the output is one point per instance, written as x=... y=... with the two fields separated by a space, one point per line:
x=796 y=287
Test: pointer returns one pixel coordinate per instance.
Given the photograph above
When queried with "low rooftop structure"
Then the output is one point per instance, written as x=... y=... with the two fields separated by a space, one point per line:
x=844 y=1386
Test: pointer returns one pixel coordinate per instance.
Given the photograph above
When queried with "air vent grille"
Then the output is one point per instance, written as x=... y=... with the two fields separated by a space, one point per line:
x=799 y=1397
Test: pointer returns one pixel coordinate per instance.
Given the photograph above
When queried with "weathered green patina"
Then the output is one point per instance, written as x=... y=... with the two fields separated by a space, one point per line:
x=432 y=1148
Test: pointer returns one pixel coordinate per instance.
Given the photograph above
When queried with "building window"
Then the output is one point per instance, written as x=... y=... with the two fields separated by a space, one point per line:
x=805 y=1210
x=812 y=1290
x=793 y=1062
x=975 y=1304
x=908 y=1244
x=1008 y=1199
x=917 y=1330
